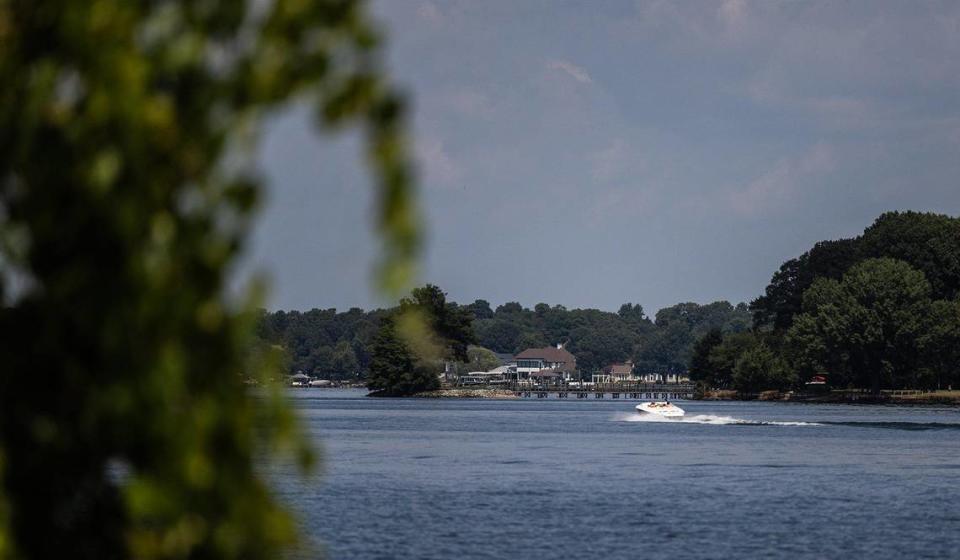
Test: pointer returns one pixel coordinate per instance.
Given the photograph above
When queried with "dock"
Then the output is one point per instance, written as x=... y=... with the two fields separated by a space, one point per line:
x=627 y=391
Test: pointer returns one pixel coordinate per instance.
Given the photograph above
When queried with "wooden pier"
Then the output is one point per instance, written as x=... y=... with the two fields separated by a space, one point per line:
x=634 y=391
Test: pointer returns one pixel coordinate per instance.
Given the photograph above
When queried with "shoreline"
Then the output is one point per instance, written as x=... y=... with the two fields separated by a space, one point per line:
x=498 y=394
x=950 y=398
x=842 y=397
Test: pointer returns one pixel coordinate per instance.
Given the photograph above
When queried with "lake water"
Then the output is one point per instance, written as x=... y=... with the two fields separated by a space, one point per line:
x=412 y=478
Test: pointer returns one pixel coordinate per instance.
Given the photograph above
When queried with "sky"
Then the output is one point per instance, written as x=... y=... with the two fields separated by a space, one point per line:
x=594 y=153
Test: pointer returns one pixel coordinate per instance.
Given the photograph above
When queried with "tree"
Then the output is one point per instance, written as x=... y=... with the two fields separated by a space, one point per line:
x=499 y=334
x=865 y=329
x=406 y=360
x=394 y=369
x=666 y=349
x=478 y=359
x=940 y=345
x=928 y=242
x=509 y=307
x=670 y=345
x=529 y=340
x=633 y=313
x=757 y=369
x=125 y=132
x=700 y=368
x=319 y=362
x=481 y=309
x=451 y=324
x=723 y=358
x=599 y=347
x=344 y=360
x=322 y=342
x=815 y=342
x=783 y=297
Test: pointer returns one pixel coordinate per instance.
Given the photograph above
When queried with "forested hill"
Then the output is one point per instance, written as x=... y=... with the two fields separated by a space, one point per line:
x=929 y=243
x=878 y=311
x=337 y=344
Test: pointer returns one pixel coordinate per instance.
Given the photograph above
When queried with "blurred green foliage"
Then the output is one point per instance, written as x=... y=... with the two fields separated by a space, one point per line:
x=478 y=359
x=126 y=192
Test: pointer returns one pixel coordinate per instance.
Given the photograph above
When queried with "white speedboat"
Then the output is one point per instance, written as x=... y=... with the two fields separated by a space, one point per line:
x=661 y=408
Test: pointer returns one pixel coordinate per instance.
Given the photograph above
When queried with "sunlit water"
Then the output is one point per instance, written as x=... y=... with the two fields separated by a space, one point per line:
x=590 y=479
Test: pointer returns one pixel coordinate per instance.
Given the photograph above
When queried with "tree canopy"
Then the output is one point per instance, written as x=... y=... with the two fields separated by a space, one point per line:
x=866 y=329
x=876 y=311
x=928 y=242
x=404 y=361
x=598 y=338
x=126 y=129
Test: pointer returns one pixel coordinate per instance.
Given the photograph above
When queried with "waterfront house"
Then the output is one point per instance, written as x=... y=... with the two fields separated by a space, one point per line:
x=556 y=362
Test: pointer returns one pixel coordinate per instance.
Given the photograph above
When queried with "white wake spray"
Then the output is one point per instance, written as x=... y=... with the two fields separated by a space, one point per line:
x=708 y=419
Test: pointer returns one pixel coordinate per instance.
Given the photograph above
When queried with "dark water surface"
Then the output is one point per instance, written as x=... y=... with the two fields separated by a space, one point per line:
x=583 y=479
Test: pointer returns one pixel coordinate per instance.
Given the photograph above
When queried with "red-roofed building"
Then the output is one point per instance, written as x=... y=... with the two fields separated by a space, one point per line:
x=553 y=361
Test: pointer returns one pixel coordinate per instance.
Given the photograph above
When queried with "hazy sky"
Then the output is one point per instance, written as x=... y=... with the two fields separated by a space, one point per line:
x=594 y=153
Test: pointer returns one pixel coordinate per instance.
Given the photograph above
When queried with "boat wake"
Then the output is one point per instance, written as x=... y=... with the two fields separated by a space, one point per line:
x=708 y=419
x=907 y=426
x=713 y=420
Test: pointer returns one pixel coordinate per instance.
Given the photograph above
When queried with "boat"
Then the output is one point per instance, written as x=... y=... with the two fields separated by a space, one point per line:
x=660 y=408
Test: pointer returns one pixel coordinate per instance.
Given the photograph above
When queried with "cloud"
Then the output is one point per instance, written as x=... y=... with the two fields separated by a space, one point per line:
x=732 y=13
x=439 y=167
x=574 y=71
x=694 y=25
x=612 y=161
x=833 y=109
x=429 y=11
x=625 y=201
x=470 y=103
x=782 y=183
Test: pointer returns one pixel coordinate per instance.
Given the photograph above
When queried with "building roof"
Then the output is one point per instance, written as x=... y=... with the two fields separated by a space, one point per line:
x=504 y=358
x=567 y=366
x=548 y=354
x=618 y=369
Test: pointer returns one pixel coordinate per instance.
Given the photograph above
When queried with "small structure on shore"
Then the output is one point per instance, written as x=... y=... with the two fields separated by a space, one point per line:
x=299 y=379
x=615 y=373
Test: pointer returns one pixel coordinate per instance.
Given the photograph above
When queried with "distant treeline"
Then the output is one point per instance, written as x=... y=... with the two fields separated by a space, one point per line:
x=339 y=344
x=880 y=310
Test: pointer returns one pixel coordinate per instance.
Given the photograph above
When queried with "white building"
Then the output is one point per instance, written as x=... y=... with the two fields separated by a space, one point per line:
x=549 y=360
